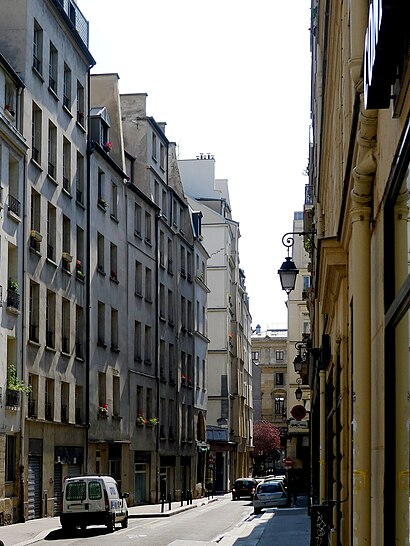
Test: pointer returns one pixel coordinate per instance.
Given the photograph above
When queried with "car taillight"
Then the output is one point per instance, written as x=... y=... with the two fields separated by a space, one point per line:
x=253 y=490
x=107 y=505
x=234 y=489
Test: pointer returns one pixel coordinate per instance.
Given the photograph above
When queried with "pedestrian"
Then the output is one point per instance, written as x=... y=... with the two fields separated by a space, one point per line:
x=292 y=487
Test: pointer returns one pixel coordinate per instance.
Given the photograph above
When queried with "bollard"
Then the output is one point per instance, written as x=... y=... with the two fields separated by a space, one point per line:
x=182 y=498
x=162 y=504
x=169 y=501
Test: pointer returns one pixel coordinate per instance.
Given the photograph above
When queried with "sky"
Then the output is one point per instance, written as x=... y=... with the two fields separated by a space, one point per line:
x=230 y=78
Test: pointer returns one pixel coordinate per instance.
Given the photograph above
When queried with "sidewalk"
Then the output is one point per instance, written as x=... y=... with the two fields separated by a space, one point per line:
x=22 y=534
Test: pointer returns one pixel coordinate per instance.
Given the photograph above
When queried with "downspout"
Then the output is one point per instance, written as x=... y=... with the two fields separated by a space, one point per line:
x=157 y=428
x=401 y=212
x=88 y=278
x=23 y=405
x=361 y=215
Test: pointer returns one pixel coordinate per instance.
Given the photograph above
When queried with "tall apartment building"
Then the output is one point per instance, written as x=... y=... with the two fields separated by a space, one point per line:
x=13 y=150
x=105 y=322
x=270 y=365
x=229 y=421
x=298 y=448
x=47 y=44
x=359 y=305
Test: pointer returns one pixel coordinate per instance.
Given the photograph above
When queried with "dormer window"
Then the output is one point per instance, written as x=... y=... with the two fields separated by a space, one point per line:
x=100 y=127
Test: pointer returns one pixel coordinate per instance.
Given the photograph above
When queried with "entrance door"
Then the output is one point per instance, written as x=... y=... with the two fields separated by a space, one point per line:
x=140 y=483
x=34 y=487
x=58 y=487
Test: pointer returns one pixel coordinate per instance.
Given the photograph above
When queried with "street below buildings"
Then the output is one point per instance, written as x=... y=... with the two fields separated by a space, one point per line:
x=204 y=523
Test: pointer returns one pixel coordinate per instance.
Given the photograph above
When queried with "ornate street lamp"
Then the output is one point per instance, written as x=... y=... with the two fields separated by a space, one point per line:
x=299 y=358
x=288 y=270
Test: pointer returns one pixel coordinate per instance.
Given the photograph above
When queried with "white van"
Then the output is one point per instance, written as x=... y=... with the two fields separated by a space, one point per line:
x=92 y=500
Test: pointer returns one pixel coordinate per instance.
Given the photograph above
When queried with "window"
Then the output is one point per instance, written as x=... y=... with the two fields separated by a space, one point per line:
x=170 y=256
x=51 y=232
x=80 y=253
x=148 y=284
x=255 y=356
x=148 y=227
x=100 y=187
x=162 y=156
x=67 y=258
x=114 y=200
x=52 y=69
x=78 y=405
x=148 y=344
x=164 y=204
x=34 y=311
x=36 y=120
x=80 y=104
x=49 y=400
x=113 y=262
x=32 y=396
x=50 y=319
x=154 y=146
x=162 y=301
x=279 y=379
x=114 y=329
x=67 y=87
x=138 y=278
x=148 y=404
x=162 y=359
x=170 y=307
x=137 y=220
x=101 y=325
x=37 y=47
x=137 y=341
x=116 y=410
x=35 y=213
x=65 y=326
x=183 y=263
x=52 y=150
x=279 y=405
x=280 y=355
x=11 y=458
x=161 y=249
x=102 y=388
x=80 y=179
x=100 y=253
x=183 y=314
x=66 y=165
x=189 y=265
x=79 y=332
x=65 y=400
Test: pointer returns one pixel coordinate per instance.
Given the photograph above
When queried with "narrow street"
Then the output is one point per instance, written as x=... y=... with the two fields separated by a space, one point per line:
x=220 y=521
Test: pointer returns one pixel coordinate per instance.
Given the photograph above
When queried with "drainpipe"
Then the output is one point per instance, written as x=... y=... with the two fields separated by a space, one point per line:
x=358 y=23
x=402 y=374
x=361 y=195
x=88 y=278
x=157 y=428
x=322 y=436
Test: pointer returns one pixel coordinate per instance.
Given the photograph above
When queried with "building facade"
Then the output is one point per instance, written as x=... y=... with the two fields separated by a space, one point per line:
x=229 y=414
x=359 y=304
x=270 y=358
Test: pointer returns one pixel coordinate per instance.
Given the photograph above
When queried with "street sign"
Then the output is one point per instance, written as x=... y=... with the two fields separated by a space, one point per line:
x=298 y=412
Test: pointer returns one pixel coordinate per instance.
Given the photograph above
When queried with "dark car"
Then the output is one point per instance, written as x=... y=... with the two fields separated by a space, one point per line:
x=244 y=487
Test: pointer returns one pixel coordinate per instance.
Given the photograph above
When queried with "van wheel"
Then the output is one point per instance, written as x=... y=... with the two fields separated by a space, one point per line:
x=110 y=524
x=68 y=529
x=124 y=523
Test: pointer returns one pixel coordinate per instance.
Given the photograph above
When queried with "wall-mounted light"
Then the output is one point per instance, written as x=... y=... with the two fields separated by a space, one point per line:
x=298 y=391
x=288 y=270
x=299 y=358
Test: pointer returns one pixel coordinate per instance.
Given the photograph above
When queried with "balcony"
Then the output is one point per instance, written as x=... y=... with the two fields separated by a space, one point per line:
x=14 y=206
x=12 y=398
x=13 y=300
x=77 y=19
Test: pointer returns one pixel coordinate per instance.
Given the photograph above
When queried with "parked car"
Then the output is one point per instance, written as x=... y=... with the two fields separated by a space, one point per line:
x=92 y=500
x=270 y=494
x=244 y=487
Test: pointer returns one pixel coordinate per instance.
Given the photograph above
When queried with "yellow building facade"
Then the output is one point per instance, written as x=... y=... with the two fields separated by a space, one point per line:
x=360 y=296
